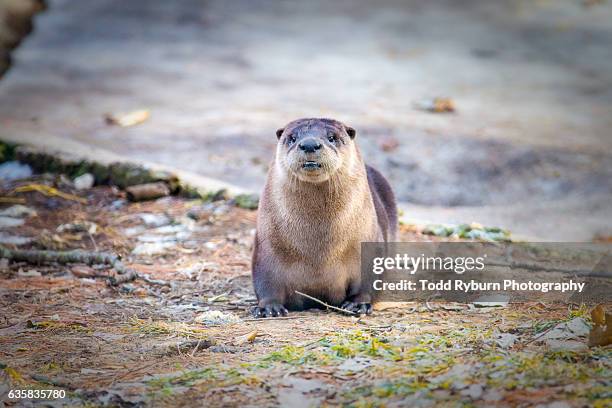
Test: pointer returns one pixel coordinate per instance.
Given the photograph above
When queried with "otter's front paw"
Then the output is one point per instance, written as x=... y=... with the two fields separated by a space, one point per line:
x=270 y=310
x=357 y=308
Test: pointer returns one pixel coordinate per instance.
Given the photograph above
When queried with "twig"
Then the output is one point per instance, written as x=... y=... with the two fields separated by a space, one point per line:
x=93 y=241
x=121 y=279
x=57 y=382
x=12 y=200
x=431 y=309
x=62 y=257
x=122 y=376
x=49 y=192
x=195 y=349
x=76 y=256
x=325 y=304
x=539 y=335
x=151 y=281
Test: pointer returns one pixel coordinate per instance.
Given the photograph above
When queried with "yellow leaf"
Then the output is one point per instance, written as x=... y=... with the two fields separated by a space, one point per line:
x=598 y=314
x=49 y=192
x=247 y=338
x=15 y=376
x=601 y=333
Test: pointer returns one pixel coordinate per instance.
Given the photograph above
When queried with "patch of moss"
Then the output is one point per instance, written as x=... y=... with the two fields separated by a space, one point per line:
x=186 y=378
x=7 y=152
x=13 y=374
x=347 y=345
x=153 y=328
x=468 y=231
x=247 y=201
x=292 y=355
x=127 y=174
x=48 y=325
x=522 y=370
x=203 y=379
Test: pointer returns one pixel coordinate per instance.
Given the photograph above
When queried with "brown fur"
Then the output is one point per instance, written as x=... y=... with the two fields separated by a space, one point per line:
x=309 y=234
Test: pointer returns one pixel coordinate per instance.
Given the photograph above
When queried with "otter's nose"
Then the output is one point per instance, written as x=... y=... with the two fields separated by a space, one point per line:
x=310 y=145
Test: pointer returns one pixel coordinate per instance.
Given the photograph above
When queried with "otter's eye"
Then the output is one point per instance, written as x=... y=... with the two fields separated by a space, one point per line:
x=332 y=137
x=291 y=139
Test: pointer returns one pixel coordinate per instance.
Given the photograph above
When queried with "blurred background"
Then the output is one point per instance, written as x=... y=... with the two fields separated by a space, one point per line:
x=495 y=112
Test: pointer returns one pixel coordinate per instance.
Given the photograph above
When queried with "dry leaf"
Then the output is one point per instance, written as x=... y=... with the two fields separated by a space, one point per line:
x=128 y=119
x=598 y=314
x=601 y=333
x=436 y=105
x=443 y=105
x=247 y=338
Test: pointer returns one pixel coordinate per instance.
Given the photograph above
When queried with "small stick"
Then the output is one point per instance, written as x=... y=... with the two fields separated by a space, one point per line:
x=75 y=256
x=121 y=279
x=196 y=348
x=122 y=376
x=325 y=304
x=57 y=382
x=93 y=241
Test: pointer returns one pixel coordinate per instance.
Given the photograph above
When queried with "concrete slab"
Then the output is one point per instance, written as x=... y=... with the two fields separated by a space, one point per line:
x=529 y=148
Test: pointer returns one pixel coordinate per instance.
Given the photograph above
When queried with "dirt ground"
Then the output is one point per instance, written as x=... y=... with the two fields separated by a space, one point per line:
x=182 y=333
x=528 y=147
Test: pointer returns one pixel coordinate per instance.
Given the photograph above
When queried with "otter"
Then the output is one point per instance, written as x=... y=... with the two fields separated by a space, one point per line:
x=319 y=203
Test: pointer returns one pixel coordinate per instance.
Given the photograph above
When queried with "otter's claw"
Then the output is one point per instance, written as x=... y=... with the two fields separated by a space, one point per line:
x=358 y=308
x=271 y=310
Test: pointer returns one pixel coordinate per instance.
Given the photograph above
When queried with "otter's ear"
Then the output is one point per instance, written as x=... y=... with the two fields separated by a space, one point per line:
x=279 y=132
x=350 y=131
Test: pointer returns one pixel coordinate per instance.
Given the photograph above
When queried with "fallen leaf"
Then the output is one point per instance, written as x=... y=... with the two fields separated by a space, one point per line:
x=436 y=105
x=128 y=119
x=49 y=192
x=247 y=338
x=571 y=330
x=505 y=340
x=13 y=374
x=601 y=333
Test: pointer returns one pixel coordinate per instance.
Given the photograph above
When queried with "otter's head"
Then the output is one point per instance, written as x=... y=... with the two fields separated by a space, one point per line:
x=314 y=149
